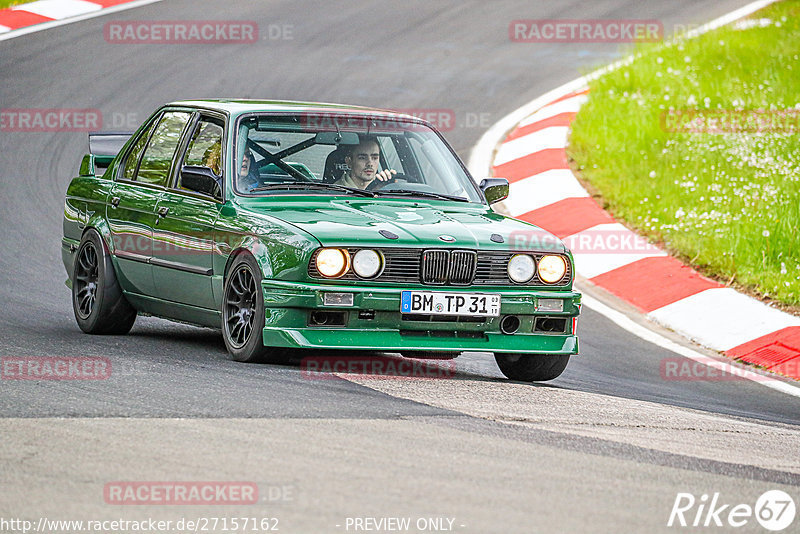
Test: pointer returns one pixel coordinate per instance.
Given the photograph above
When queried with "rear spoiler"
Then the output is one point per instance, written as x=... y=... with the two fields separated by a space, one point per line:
x=103 y=148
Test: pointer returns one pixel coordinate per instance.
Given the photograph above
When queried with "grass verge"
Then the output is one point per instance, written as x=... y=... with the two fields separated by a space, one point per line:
x=8 y=3
x=648 y=142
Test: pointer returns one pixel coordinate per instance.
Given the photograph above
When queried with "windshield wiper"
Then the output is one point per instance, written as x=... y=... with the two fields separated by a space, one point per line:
x=313 y=185
x=407 y=193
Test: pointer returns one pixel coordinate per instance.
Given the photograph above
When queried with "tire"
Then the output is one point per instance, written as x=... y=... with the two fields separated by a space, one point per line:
x=243 y=313
x=430 y=355
x=97 y=299
x=532 y=367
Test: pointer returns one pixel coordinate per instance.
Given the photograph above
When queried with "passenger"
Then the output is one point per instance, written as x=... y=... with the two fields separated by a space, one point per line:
x=212 y=158
x=363 y=161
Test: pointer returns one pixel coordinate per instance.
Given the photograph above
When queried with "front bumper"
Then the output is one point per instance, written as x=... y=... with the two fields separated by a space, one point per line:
x=374 y=321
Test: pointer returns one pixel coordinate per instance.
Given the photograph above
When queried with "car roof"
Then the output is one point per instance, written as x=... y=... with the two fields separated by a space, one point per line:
x=236 y=106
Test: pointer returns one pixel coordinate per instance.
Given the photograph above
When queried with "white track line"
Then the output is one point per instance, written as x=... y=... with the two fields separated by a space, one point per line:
x=59 y=9
x=552 y=137
x=569 y=105
x=542 y=190
x=55 y=23
x=605 y=247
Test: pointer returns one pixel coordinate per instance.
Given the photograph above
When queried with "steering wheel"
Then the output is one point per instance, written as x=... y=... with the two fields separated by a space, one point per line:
x=380 y=184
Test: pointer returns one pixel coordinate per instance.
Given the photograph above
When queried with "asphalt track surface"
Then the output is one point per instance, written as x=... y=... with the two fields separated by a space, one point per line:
x=603 y=448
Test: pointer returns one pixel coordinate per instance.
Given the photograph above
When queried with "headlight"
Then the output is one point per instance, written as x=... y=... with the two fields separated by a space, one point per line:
x=367 y=263
x=521 y=268
x=333 y=262
x=552 y=269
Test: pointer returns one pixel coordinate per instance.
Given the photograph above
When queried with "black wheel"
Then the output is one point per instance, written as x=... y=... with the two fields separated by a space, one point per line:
x=243 y=313
x=97 y=299
x=532 y=367
x=430 y=355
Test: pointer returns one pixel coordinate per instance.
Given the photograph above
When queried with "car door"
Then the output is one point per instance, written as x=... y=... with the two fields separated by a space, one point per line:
x=140 y=183
x=183 y=238
x=130 y=215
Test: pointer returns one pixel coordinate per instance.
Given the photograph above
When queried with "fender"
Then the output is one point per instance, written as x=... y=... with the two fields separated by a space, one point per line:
x=98 y=222
x=248 y=244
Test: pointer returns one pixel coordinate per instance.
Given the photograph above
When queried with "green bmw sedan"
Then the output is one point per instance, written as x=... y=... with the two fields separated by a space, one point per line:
x=291 y=225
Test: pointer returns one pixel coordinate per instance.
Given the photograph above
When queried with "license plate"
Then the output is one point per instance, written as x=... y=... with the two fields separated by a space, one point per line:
x=436 y=303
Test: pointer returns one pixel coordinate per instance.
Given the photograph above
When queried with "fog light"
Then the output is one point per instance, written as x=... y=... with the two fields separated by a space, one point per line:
x=550 y=305
x=337 y=299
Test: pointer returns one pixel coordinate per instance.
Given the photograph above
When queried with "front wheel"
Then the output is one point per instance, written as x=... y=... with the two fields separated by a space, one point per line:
x=243 y=313
x=532 y=367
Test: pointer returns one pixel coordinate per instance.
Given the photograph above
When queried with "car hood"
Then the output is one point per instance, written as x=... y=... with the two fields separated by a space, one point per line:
x=367 y=223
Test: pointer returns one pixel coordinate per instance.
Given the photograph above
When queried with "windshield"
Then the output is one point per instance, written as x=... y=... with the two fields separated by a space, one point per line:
x=347 y=154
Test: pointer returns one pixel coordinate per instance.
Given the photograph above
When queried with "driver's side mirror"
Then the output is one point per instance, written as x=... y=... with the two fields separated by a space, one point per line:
x=200 y=179
x=494 y=189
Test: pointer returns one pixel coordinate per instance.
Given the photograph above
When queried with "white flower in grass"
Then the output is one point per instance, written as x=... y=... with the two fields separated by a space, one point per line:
x=765 y=233
x=679 y=213
x=691 y=101
x=783 y=268
x=652 y=174
x=660 y=60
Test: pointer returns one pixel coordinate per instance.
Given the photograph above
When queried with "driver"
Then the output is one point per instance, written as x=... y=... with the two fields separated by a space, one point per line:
x=363 y=161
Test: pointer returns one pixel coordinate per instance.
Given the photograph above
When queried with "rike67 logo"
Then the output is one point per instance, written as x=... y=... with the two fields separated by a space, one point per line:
x=774 y=510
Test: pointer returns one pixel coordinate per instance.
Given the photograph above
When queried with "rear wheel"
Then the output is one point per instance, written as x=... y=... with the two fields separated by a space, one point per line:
x=532 y=367
x=243 y=313
x=97 y=299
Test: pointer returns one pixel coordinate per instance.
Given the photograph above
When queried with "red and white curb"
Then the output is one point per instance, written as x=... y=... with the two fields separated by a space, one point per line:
x=528 y=148
x=42 y=14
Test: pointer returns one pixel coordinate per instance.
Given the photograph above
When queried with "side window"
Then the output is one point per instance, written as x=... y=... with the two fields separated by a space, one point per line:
x=157 y=158
x=129 y=171
x=205 y=147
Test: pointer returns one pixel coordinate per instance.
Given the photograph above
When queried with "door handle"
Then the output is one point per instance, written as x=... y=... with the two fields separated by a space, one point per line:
x=115 y=201
x=162 y=212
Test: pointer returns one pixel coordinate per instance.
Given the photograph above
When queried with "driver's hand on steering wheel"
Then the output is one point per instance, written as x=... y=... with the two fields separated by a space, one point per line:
x=385 y=175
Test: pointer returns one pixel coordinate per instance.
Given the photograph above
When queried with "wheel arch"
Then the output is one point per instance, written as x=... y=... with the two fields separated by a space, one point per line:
x=257 y=250
x=100 y=225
